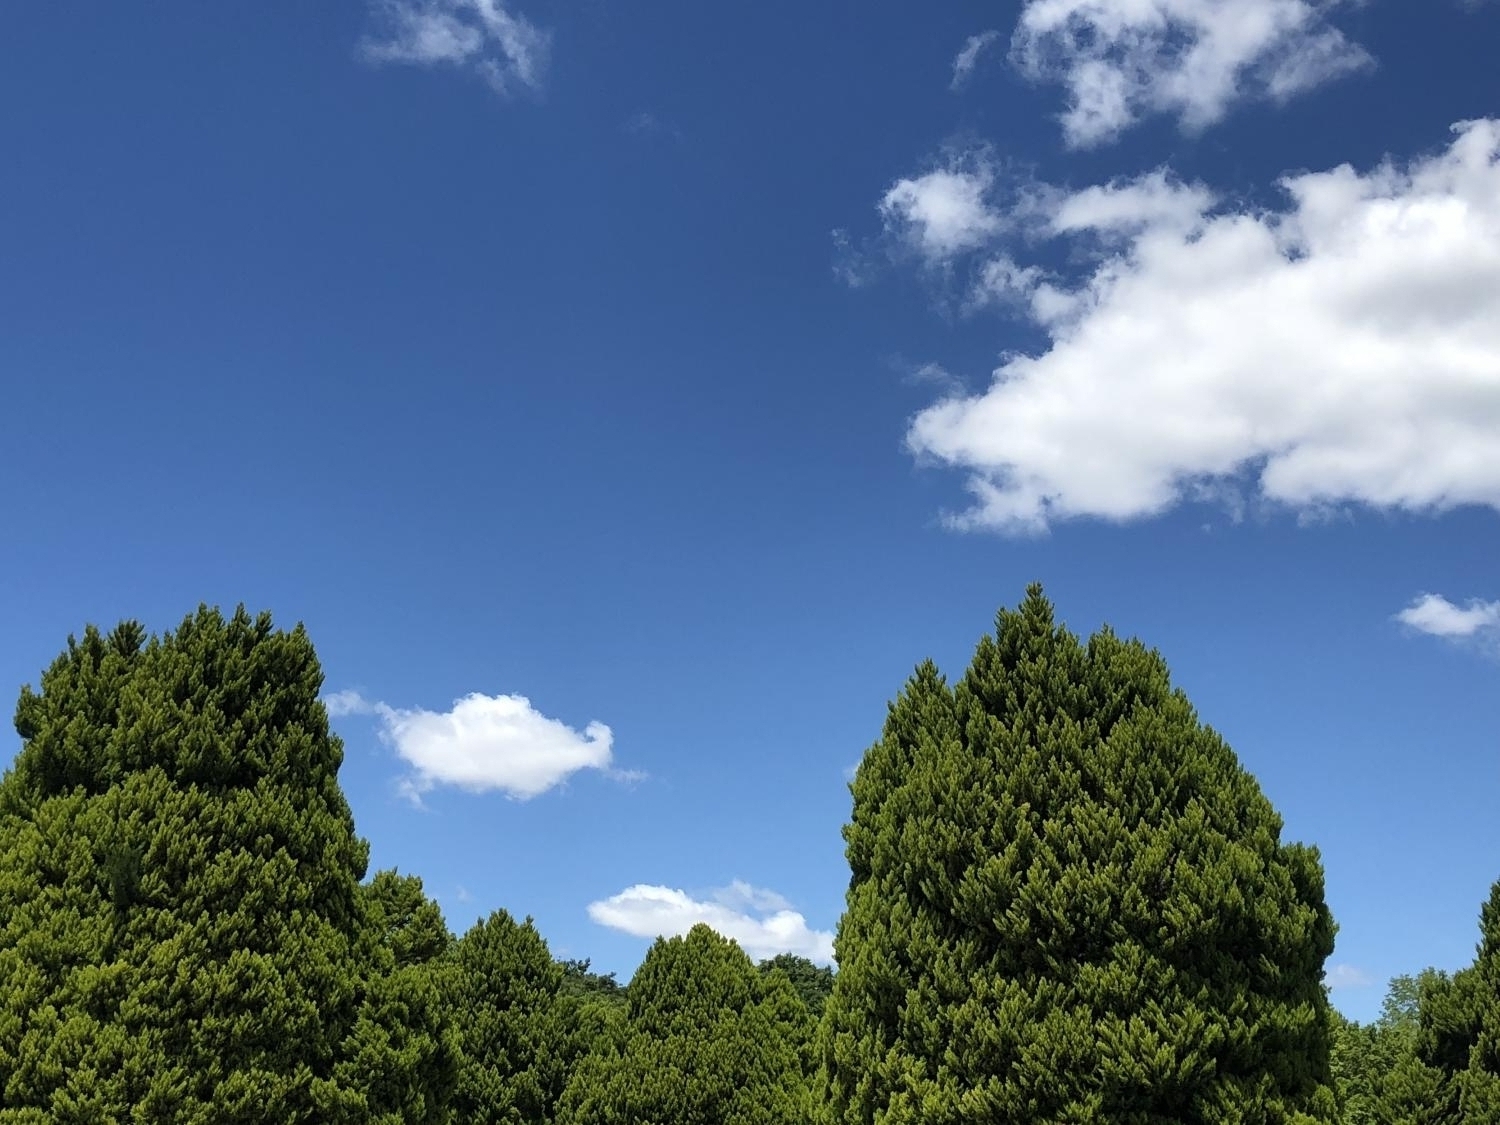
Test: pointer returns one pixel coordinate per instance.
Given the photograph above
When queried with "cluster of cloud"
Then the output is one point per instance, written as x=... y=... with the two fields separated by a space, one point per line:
x=484 y=743
x=1344 y=350
x=761 y=921
x=1189 y=58
x=1192 y=59
x=484 y=37
x=1437 y=616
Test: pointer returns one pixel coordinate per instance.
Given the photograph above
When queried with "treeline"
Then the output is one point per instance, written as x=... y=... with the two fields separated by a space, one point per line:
x=1068 y=903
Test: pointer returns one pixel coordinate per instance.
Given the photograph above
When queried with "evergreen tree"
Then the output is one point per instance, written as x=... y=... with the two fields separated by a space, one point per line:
x=707 y=1040
x=812 y=982
x=1460 y=1029
x=404 y=1051
x=1069 y=903
x=515 y=1027
x=587 y=986
x=179 y=915
x=1379 y=1077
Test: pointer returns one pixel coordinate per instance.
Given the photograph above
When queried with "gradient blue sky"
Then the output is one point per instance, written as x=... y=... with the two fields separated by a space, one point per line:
x=695 y=370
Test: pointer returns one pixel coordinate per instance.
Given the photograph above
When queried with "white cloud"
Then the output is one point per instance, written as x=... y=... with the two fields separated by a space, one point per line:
x=1345 y=350
x=1151 y=201
x=968 y=56
x=1435 y=614
x=342 y=703
x=761 y=921
x=943 y=212
x=1124 y=59
x=1339 y=977
x=485 y=742
x=483 y=36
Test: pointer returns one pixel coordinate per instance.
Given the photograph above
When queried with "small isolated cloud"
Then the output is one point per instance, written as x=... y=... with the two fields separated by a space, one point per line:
x=761 y=921
x=1191 y=58
x=646 y=124
x=342 y=703
x=484 y=37
x=1340 y=977
x=1437 y=616
x=1344 y=350
x=943 y=212
x=968 y=56
x=484 y=743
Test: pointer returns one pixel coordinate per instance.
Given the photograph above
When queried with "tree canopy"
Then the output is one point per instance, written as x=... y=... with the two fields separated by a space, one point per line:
x=179 y=913
x=1069 y=902
x=707 y=1040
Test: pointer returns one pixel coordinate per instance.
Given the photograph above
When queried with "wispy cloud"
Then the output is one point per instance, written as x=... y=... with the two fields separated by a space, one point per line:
x=1437 y=616
x=646 y=124
x=1341 y=977
x=1342 y=351
x=968 y=56
x=1190 y=58
x=484 y=743
x=761 y=921
x=484 y=37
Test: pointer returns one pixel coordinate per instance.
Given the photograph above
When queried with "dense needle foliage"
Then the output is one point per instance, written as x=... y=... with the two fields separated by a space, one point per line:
x=1068 y=904
x=179 y=934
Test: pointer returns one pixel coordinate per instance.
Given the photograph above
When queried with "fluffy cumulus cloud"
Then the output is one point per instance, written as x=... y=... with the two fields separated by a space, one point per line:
x=1436 y=615
x=485 y=37
x=943 y=212
x=761 y=921
x=1121 y=60
x=483 y=743
x=1344 y=350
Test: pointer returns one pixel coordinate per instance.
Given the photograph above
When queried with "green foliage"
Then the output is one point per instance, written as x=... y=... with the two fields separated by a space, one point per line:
x=1459 y=1036
x=179 y=903
x=707 y=1040
x=1069 y=903
x=404 y=1052
x=1376 y=1068
x=813 y=983
x=517 y=1030
x=582 y=983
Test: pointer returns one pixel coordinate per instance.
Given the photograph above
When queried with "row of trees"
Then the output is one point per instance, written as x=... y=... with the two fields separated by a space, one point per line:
x=1068 y=903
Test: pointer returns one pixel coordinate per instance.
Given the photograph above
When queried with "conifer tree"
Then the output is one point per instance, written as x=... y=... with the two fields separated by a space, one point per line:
x=1379 y=1076
x=179 y=916
x=1070 y=903
x=812 y=982
x=707 y=1040
x=517 y=1038
x=404 y=1051
x=1460 y=1029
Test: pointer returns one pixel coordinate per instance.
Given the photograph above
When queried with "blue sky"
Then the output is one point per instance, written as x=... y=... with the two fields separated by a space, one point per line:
x=627 y=398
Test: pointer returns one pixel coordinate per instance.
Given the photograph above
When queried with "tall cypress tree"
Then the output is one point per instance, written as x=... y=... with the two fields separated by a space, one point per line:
x=178 y=884
x=707 y=1040
x=403 y=1053
x=1069 y=903
x=514 y=1024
